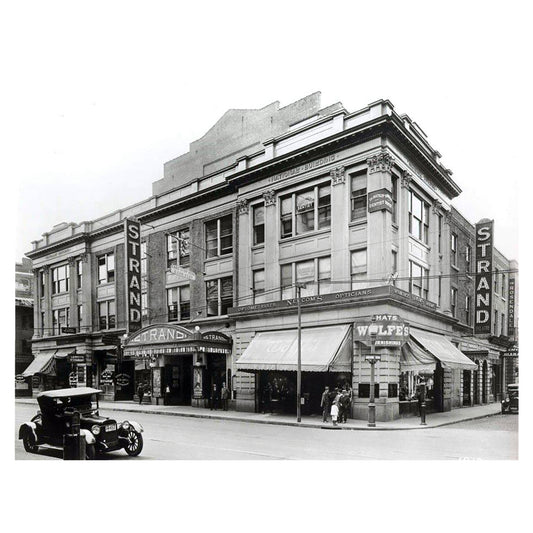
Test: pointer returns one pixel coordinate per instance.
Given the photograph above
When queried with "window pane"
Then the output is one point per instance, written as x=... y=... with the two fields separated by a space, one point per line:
x=324 y=275
x=305 y=211
x=305 y=273
x=227 y=295
x=359 y=261
x=324 y=206
x=286 y=282
x=212 y=297
x=211 y=238
x=286 y=217
x=259 y=215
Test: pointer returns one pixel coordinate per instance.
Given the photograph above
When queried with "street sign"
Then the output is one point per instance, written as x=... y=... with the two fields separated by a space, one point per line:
x=182 y=273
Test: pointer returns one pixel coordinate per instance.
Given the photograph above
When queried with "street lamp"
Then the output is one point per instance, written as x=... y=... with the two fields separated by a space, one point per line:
x=372 y=358
x=422 y=392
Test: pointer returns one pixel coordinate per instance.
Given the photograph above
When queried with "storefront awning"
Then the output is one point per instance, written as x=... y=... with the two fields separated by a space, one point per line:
x=63 y=353
x=42 y=364
x=323 y=349
x=415 y=358
x=443 y=350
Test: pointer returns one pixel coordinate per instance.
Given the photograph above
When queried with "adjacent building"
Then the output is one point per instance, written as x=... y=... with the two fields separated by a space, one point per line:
x=353 y=210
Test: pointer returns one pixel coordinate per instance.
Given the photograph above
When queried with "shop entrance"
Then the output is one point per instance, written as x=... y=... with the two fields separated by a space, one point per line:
x=438 y=400
x=216 y=371
x=177 y=381
x=476 y=384
x=484 y=378
x=467 y=383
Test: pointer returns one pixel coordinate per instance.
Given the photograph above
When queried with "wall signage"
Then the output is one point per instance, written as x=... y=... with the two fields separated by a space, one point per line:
x=106 y=377
x=123 y=380
x=484 y=266
x=73 y=379
x=302 y=168
x=182 y=273
x=510 y=317
x=380 y=200
x=132 y=231
x=386 y=330
x=65 y=329
x=158 y=334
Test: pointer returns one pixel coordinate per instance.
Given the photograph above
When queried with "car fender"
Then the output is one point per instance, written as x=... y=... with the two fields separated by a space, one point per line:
x=89 y=437
x=28 y=426
x=136 y=426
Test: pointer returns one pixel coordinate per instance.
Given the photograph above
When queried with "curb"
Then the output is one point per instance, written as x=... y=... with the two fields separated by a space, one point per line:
x=292 y=424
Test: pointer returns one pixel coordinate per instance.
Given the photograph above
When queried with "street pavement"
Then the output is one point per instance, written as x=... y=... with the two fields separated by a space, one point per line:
x=182 y=437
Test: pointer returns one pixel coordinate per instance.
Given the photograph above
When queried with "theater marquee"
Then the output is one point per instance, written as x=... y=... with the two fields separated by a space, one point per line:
x=484 y=267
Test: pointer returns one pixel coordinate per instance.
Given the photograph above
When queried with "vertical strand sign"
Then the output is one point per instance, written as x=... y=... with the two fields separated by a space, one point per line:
x=484 y=267
x=132 y=232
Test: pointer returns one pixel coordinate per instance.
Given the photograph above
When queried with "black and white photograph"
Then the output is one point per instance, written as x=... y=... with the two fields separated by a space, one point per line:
x=266 y=257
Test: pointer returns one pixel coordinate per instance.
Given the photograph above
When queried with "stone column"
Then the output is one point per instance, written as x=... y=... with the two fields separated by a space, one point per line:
x=36 y=304
x=403 y=230
x=244 y=253
x=340 y=218
x=47 y=301
x=88 y=291
x=272 y=270
x=379 y=247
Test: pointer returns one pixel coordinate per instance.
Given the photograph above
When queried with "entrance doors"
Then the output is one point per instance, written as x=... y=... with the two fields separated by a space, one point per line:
x=466 y=387
x=484 y=379
x=438 y=388
x=177 y=381
x=476 y=383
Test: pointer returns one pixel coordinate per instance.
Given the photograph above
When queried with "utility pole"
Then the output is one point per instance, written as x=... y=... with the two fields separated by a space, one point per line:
x=299 y=287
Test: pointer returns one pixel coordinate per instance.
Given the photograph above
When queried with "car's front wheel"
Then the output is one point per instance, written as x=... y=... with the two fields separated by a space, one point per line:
x=29 y=443
x=135 y=443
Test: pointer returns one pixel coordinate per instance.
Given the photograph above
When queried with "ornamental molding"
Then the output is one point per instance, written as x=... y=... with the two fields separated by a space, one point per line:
x=437 y=207
x=72 y=261
x=84 y=257
x=382 y=162
x=269 y=197
x=407 y=178
x=242 y=206
x=338 y=176
x=46 y=269
x=447 y=217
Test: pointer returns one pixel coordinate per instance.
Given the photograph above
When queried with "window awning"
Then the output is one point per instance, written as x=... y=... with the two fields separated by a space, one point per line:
x=415 y=358
x=443 y=350
x=42 y=364
x=324 y=349
x=63 y=353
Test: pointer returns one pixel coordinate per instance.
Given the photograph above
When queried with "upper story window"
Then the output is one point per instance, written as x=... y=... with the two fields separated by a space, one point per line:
x=219 y=296
x=305 y=211
x=358 y=197
x=219 y=236
x=42 y=283
x=107 y=315
x=60 y=279
x=80 y=315
x=453 y=249
x=358 y=267
x=144 y=306
x=418 y=280
x=394 y=199
x=468 y=258
x=259 y=223
x=60 y=318
x=179 y=303
x=503 y=286
x=315 y=273
x=496 y=289
x=79 y=273
x=495 y=327
x=503 y=325
x=453 y=301
x=259 y=286
x=106 y=268
x=178 y=248
x=439 y=230
x=143 y=258
x=468 y=310
x=418 y=217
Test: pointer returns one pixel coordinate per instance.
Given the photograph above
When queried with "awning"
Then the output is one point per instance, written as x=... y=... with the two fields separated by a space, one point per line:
x=63 y=353
x=42 y=364
x=323 y=349
x=415 y=358
x=443 y=350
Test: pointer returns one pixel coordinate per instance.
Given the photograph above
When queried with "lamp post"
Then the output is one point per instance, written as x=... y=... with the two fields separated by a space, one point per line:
x=372 y=360
x=422 y=392
x=299 y=287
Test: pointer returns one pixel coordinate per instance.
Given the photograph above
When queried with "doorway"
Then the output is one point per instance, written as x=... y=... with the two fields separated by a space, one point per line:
x=476 y=383
x=177 y=381
x=467 y=383
x=484 y=379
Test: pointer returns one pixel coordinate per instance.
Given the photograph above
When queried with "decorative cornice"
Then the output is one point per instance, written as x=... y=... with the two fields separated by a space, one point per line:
x=407 y=178
x=447 y=217
x=46 y=269
x=242 y=206
x=437 y=207
x=338 y=176
x=269 y=197
x=382 y=162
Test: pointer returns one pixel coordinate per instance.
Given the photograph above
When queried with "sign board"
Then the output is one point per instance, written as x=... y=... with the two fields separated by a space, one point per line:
x=510 y=317
x=65 y=329
x=158 y=334
x=132 y=232
x=106 y=377
x=511 y=352
x=123 y=380
x=380 y=200
x=156 y=382
x=20 y=378
x=73 y=379
x=373 y=358
x=77 y=358
x=385 y=330
x=182 y=273
x=484 y=266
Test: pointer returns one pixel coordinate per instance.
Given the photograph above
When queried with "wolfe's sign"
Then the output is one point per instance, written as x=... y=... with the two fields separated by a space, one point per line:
x=132 y=231
x=386 y=330
x=484 y=267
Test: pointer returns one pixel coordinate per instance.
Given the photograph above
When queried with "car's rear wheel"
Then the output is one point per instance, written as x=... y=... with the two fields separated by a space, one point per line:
x=29 y=443
x=135 y=444
x=90 y=452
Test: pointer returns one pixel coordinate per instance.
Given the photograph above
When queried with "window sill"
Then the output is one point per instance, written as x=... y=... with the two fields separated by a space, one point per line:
x=418 y=241
x=63 y=293
x=106 y=283
x=304 y=235
x=361 y=222
x=258 y=246
x=218 y=258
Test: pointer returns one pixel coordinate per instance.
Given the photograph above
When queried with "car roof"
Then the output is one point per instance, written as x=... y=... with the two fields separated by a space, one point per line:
x=68 y=393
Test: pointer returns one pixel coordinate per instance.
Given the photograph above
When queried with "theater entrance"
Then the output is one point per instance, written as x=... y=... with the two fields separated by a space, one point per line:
x=177 y=381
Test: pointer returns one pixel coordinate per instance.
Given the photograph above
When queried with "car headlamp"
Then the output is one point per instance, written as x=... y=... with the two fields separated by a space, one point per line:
x=126 y=425
x=95 y=430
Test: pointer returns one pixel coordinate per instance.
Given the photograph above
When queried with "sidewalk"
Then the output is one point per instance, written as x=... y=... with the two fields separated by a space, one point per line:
x=433 y=420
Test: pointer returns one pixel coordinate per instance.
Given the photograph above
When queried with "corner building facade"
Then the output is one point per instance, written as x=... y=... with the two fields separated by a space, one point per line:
x=355 y=208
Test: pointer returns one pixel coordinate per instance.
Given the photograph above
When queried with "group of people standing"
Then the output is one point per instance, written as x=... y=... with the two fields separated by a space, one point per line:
x=217 y=396
x=337 y=403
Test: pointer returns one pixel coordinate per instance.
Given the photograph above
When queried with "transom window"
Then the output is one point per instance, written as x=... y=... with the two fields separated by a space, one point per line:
x=418 y=280
x=358 y=197
x=418 y=217
x=259 y=223
x=316 y=273
x=305 y=211
x=178 y=248
x=107 y=314
x=219 y=296
x=60 y=279
x=219 y=236
x=179 y=303
x=106 y=268
x=358 y=268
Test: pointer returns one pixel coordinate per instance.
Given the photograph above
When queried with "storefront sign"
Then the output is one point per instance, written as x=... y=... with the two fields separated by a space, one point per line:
x=383 y=330
x=65 y=329
x=158 y=334
x=511 y=352
x=484 y=265
x=123 y=380
x=106 y=377
x=73 y=379
x=380 y=200
x=77 y=358
x=510 y=319
x=215 y=336
x=156 y=382
x=20 y=379
x=132 y=231
x=302 y=168
x=182 y=273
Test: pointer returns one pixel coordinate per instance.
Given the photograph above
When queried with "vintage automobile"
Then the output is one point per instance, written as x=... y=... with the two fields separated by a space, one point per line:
x=510 y=403
x=101 y=434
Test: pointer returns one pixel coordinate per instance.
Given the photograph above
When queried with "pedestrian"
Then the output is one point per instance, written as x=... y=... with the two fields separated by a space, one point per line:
x=224 y=395
x=140 y=392
x=334 y=412
x=214 y=397
x=345 y=406
x=325 y=403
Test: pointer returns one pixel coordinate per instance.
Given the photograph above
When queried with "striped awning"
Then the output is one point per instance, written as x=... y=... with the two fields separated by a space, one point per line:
x=42 y=364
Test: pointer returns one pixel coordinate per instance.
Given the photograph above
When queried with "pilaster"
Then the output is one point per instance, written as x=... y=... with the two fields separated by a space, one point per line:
x=244 y=251
x=446 y=264
x=340 y=218
x=272 y=270
x=88 y=290
x=73 y=289
x=403 y=230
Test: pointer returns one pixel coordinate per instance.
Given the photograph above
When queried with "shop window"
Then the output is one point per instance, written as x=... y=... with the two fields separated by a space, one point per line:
x=219 y=236
x=418 y=217
x=393 y=390
x=106 y=268
x=358 y=198
x=106 y=315
x=60 y=279
x=259 y=286
x=418 y=280
x=364 y=390
x=179 y=303
x=79 y=273
x=453 y=248
x=219 y=296
x=60 y=319
x=358 y=268
x=259 y=224
x=453 y=301
x=178 y=246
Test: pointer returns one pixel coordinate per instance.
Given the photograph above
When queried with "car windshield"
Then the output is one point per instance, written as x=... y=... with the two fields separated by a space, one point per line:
x=85 y=404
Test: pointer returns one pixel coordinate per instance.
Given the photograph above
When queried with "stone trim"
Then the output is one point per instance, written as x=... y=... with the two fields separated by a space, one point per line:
x=269 y=197
x=242 y=206
x=382 y=162
x=338 y=176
